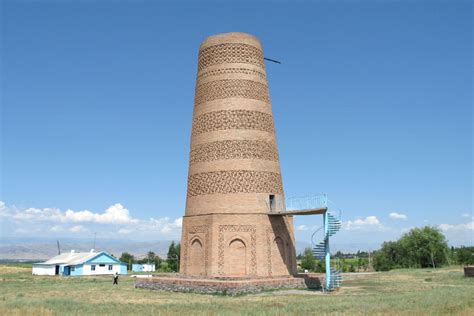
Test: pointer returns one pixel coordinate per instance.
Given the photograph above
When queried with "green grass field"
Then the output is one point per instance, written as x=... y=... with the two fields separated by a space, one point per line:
x=419 y=292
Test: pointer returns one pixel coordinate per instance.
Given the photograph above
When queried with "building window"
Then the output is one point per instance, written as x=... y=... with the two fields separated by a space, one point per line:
x=110 y=267
x=73 y=269
x=93 y=267
x=101 y=265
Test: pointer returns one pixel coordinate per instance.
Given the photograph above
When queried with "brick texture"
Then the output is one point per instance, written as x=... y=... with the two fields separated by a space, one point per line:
x=234 y=169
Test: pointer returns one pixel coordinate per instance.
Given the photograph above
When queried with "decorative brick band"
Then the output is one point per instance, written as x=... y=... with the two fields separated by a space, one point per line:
x=230 y=53
x=231 y=88
x=232 y=70
x=234 y=149
x=234 y=181
x=232 y=119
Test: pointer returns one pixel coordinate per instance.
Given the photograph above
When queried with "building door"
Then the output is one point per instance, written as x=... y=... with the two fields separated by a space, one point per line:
x=57 y=270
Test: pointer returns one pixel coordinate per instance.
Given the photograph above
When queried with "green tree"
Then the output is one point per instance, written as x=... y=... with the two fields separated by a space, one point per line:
x=173 y=256
x=424 y=247
x=150 y=256
x=464 y=255
x=308 y=261
x=127 y=258
x=420 y=247
x=389 y=256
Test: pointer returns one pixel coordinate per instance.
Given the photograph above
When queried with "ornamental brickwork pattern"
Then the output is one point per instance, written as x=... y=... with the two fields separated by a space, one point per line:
x=234 y=181
x=221 y=245
x=232 y=119
x=192 y=232
x=231 y=88
x=234 y=149
x=230 y=53
x=232 y=70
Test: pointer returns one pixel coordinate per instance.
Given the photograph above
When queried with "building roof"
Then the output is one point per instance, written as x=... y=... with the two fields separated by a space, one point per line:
x=74 y=258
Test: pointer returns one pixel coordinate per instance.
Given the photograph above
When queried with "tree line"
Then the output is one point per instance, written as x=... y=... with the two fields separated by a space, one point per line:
x=170 y=264
x=419 y=248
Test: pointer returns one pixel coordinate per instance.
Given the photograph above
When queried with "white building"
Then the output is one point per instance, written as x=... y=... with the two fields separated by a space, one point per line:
x=81 y=263
x=143 y=267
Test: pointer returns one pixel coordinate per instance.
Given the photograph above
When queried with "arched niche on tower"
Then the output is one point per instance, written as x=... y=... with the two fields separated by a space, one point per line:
x=279 y=253
x=236 y=257
x=196 y=254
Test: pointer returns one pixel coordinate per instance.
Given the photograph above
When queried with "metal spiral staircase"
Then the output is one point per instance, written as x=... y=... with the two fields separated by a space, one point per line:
x=321 y=250
x=313 y=205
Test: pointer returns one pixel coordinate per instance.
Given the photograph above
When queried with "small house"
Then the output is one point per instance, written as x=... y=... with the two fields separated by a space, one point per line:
x=143 y=267
x=81 y=263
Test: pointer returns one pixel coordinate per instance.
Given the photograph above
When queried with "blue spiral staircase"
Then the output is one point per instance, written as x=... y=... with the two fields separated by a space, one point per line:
x=314 y=205
x=321 y=250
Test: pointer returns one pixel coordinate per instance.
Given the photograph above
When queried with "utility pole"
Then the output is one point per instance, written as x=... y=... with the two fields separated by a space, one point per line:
x=95 y=234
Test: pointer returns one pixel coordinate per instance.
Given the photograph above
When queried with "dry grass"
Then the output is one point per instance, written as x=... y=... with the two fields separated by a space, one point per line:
x=407 y=292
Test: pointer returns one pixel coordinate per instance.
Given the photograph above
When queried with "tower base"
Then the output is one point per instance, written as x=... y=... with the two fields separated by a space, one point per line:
x=237 y=246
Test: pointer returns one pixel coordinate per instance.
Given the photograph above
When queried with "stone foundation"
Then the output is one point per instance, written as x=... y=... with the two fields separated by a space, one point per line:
x=229 y=286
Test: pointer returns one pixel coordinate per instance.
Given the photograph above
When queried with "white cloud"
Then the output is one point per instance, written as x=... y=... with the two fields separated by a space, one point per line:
x=73 y=229
x=457 y=227
x=56 y=229
x=397 y=216
x=369 y=223
x=114 y=219
x=46 y=214
x=77 y=229
x=302 y=228
x=163 y=225
x=467 y=215
x=178 y=222
x=115 y=214
x=3 y=210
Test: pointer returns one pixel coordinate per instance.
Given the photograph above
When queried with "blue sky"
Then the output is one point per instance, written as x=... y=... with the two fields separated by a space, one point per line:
x=372 y=103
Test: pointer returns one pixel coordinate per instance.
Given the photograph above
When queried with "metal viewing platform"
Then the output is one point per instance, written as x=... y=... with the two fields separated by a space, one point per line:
x=307 y=205
x=313 y=211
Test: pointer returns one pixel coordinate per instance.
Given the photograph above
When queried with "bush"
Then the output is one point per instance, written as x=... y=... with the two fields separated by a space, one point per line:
x=164 y=267
x=464 y=255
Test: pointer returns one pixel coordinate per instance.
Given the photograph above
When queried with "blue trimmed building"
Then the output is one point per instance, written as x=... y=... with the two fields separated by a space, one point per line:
x=81 y=263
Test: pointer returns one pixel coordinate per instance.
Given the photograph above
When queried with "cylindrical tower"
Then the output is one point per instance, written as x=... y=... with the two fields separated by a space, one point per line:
x=234 y=170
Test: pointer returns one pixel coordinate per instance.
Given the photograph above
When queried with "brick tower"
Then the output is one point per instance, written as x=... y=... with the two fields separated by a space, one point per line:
x=234 y=170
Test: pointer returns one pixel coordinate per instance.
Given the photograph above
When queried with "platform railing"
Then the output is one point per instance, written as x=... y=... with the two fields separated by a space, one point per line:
x=307 y=202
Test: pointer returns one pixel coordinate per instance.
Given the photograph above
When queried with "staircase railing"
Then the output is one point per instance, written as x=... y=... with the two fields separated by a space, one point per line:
x=321 y=250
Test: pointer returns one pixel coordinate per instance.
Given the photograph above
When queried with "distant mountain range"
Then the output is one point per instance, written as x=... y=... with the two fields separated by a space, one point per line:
x=34 y=250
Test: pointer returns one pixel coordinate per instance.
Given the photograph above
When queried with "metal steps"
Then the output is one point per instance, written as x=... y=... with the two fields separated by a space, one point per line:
x=321 y=250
